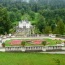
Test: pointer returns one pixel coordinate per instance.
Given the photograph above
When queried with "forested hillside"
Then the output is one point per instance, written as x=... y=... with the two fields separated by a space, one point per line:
x=48 y=16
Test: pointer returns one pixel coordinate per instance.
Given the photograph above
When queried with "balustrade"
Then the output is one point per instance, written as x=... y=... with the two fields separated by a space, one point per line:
x=34 y=48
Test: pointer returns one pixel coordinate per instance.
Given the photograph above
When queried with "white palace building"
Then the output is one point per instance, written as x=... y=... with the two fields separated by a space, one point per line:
x=24 y=28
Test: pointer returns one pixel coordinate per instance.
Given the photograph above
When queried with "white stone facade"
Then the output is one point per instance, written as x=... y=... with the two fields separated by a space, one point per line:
x=24 y=23
x=24 y=28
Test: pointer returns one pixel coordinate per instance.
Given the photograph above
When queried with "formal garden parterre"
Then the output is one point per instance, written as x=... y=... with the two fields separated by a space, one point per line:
x=32 y=42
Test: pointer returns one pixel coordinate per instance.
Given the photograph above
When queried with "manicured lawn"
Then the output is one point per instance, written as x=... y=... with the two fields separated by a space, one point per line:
x=31 y=59
x=53 y=42
x=50 y=41
x=7 y=43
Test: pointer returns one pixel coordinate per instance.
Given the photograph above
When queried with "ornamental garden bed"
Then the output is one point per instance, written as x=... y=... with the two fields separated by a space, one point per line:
x=18 y=42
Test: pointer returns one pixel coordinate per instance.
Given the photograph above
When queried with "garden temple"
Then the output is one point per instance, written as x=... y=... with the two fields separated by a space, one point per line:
x=24 y=28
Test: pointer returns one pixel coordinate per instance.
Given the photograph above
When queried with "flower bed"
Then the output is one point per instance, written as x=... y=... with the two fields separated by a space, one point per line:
x=15 y=42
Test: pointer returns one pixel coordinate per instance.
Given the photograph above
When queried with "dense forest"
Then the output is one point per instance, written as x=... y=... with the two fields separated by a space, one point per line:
x=48 y=16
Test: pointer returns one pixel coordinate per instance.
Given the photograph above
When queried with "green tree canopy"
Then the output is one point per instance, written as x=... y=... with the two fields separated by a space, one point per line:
x=5 y=23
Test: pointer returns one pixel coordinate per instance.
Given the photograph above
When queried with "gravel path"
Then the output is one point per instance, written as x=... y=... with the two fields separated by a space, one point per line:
x=34 y=38
x=61 y=52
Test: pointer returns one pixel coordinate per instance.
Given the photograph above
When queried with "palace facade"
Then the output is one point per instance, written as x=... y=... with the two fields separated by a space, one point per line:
x=24 y=28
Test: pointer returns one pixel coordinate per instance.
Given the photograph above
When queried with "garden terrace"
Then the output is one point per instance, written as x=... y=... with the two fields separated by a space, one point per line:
x=31 y=42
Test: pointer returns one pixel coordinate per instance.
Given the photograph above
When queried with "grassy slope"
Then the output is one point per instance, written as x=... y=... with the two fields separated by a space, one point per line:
x=30 y=59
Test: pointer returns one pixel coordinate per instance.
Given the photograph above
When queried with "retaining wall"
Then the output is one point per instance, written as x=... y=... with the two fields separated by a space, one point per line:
x=34 y=48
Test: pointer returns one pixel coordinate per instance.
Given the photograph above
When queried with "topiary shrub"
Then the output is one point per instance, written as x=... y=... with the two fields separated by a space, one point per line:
x=3 y=44
x=23 y=43
x=44 y=43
